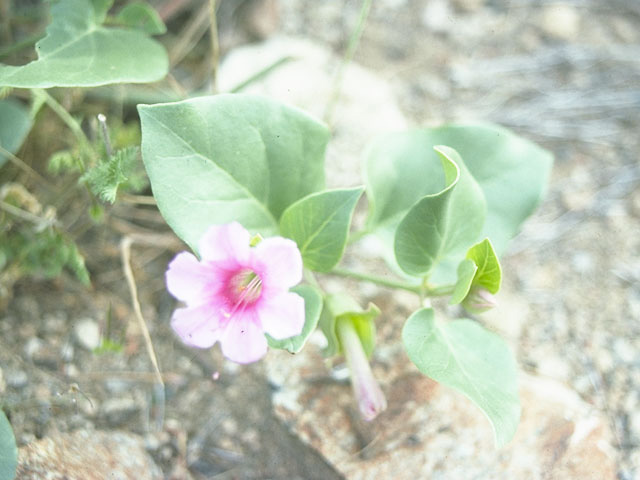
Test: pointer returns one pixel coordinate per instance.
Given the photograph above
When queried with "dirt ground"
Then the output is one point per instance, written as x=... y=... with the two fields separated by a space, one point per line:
x=564 y=74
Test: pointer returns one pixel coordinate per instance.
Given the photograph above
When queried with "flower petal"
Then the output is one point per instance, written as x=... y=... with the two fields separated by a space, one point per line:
x=278 y=262
x=282 y=316
x=224 y=243
x=197 y=326
x=243 y=340
x=189 y=280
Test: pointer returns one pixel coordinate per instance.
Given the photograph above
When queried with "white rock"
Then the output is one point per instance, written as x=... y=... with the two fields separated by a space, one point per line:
x=437 y=16
x=87 y=334
x=561 y=21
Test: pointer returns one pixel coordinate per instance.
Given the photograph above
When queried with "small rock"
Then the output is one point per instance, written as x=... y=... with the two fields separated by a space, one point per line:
x=561 y=21
x=87 y=334
x=117 y=386
x=624 y=350
x=32 y=347
x=41 y=354
x=468 y=6
x=17 y=379
x=437 y=16
x=66 y=352
x=85 y=455
x=3 y=385
x=118 y=411
x=582 y=262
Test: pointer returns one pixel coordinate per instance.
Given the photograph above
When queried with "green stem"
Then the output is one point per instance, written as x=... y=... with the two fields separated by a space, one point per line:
x=311 y=278
x=215 y=47
x=377 y=280
x=354 y=40
x=66 y=117
x=440 y=291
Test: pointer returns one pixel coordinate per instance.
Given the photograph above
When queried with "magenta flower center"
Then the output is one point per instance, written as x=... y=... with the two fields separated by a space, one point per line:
x=243 y=290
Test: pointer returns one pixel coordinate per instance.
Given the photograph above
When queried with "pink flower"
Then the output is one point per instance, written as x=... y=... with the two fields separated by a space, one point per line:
x=236 y=293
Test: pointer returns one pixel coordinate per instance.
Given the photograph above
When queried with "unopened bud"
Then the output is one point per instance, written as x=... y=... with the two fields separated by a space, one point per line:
x=479 y=300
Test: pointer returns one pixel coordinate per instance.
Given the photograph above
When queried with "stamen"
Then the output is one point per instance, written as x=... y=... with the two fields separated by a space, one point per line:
x=244 y=289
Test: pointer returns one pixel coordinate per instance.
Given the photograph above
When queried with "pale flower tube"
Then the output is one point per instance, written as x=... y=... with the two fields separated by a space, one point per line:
x=371 y=400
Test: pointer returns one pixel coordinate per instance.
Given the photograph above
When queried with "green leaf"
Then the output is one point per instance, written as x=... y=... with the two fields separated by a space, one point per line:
x=15 y=124
x=512 y=172
x=489 y=274
x=78 y=51
x=343 y=308
x=312 y=308
x=143 y=17
x=319 y=224
x=466 y=271
x=8 y=449
x=463 y=355
x=441 y=224
x=481 y=267
x=212 y=160
x=119 y=171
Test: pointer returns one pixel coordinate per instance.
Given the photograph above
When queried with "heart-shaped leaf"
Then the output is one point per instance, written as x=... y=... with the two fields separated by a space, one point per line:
x=143 y=17
x=463 y=355
x=212 y=160
x=441 y=224
x=79 y=51
x=15 y=124
x=319 y=224
x=481 y=267
x=512 y=172
x=8 y=449
x=312 y=309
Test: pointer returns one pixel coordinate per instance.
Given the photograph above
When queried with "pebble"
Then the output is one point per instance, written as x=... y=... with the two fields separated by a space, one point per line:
x=624 y=350
x=437 y=16
x=17 y=379
x=87 y=334
x=41 y=354
x=118 y=411
x=561 y=22
x=582 y=262
x=32 y=347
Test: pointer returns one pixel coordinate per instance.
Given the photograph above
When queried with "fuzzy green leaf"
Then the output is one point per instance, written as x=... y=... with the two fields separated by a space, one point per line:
x=79 y=51
x=442 y=224
x=319 y=224
x=402 y=168
x=212 y=160
x=466 y=271
x=489 y=274
x=463 y=355
x=120 y=171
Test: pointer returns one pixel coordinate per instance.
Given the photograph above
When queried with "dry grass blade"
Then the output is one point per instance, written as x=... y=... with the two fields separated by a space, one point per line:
x=125 y=249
